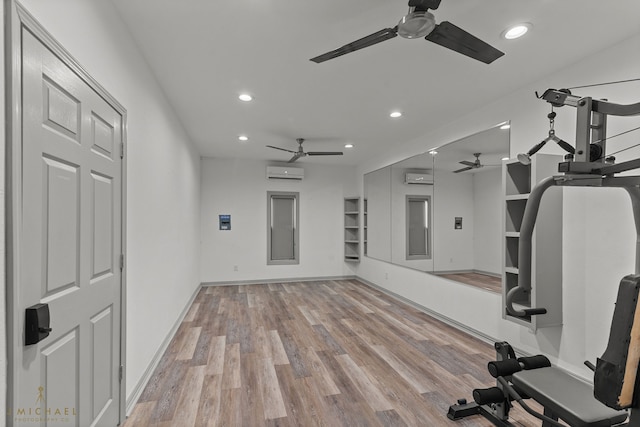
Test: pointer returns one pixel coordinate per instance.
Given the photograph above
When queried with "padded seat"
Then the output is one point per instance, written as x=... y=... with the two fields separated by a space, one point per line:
x=566 y=397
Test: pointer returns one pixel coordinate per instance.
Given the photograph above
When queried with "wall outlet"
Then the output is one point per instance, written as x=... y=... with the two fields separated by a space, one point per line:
x=235 y=268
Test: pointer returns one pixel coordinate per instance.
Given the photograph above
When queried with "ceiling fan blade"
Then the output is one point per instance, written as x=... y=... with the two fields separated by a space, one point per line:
x=324 y=153
x=295 y=157
x=283 y=149
x=448 y=35
x=377 y=37
x=465 y=162
x=463 y=169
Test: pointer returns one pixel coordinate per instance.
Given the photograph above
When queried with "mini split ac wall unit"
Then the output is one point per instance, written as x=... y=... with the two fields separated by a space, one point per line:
x=418 y=178
x=277 y=172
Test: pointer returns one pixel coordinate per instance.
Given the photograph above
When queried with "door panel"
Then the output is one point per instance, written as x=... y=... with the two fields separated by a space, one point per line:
x=102 y=226
x=70 y=246
x=102 y=358
x=61 y=225
x=60 y=384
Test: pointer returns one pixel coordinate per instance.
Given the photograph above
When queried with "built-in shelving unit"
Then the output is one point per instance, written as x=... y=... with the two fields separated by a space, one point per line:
x=365 y=229
x=352 y=229
x=546 y=263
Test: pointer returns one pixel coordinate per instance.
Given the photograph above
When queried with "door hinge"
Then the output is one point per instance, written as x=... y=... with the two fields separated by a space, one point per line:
x=122 y=150
x=121 y=262
x=121 y=372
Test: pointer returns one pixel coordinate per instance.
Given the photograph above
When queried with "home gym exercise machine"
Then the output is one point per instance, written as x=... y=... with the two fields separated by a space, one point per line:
x=614 y=398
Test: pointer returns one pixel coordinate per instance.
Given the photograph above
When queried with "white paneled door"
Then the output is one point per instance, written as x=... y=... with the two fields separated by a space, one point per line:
x=70 y=247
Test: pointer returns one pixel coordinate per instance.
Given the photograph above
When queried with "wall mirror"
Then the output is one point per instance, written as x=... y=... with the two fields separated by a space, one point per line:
x=441 y=212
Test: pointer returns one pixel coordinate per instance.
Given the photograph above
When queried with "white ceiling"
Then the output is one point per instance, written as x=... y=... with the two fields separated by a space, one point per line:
x=204 y=53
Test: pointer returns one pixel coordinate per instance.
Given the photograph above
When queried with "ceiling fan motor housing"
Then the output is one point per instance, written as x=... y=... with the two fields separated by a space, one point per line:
x=416 y=24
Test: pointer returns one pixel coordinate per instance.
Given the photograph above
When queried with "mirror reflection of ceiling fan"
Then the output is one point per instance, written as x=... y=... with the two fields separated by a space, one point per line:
x=472 y=165
x=419 y=22
x=302 y=153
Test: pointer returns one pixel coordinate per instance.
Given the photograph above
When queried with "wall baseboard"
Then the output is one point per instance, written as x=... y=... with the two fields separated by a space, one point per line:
x=139 y=388
x=281 y=280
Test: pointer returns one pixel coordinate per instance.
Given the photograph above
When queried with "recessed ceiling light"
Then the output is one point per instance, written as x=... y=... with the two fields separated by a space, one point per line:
x=245 y=97
x=395 y=114
x=505 y=126
x=243 y=138
x=348 y=145
x=516 y=31
x=433 y=152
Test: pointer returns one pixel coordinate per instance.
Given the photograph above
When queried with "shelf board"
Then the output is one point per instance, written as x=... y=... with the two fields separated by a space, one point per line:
x=352 y=241
x=512 y=234
x=351 y=226
x=512 y=270
x=524 y=196
x=352 y=213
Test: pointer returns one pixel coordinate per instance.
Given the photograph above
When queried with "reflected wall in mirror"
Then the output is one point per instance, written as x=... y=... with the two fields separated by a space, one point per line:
x=468 y=209
x=377 y=196
x=441 y=213
x=412 y=212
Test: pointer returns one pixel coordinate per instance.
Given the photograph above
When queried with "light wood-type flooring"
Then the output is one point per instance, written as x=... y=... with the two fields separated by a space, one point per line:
x=324 y=353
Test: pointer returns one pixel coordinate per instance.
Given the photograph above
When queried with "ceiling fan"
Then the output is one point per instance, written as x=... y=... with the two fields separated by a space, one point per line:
x=301 y=153
x=472 y=165
x=419 y=22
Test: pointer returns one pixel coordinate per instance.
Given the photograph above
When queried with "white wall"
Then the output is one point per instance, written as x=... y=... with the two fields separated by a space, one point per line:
x=239 y=188
x=487 y=220
x=163 y=174
x=598 y=234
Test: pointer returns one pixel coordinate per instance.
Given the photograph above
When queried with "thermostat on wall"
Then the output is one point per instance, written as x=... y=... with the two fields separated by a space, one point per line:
x=225 y=222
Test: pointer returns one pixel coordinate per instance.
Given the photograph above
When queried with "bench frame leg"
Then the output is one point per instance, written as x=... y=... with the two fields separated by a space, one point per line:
x=460 y=411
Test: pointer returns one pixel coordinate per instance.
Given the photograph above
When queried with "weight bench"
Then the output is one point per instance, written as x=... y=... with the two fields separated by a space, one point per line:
x=563 y=396
x=566 y=397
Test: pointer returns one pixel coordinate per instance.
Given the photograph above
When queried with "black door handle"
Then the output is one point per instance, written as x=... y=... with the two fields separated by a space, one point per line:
x=36 y=325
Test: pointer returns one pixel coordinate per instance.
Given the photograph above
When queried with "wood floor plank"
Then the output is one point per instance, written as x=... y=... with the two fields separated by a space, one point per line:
x=209 y=406
x=278 y=353
x=187 y=408
x=231 y=373
x=321 y=374
x=252 y=399
x=308 y=315
x=412 y=377
x=270 y=390
x=326 y=353
x=215 y=364
x=189 y=344
x=191 y=314
x=363 y=382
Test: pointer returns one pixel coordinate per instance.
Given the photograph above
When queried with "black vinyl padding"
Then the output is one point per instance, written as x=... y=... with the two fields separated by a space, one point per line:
x=567 y=397
x=534 y=362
